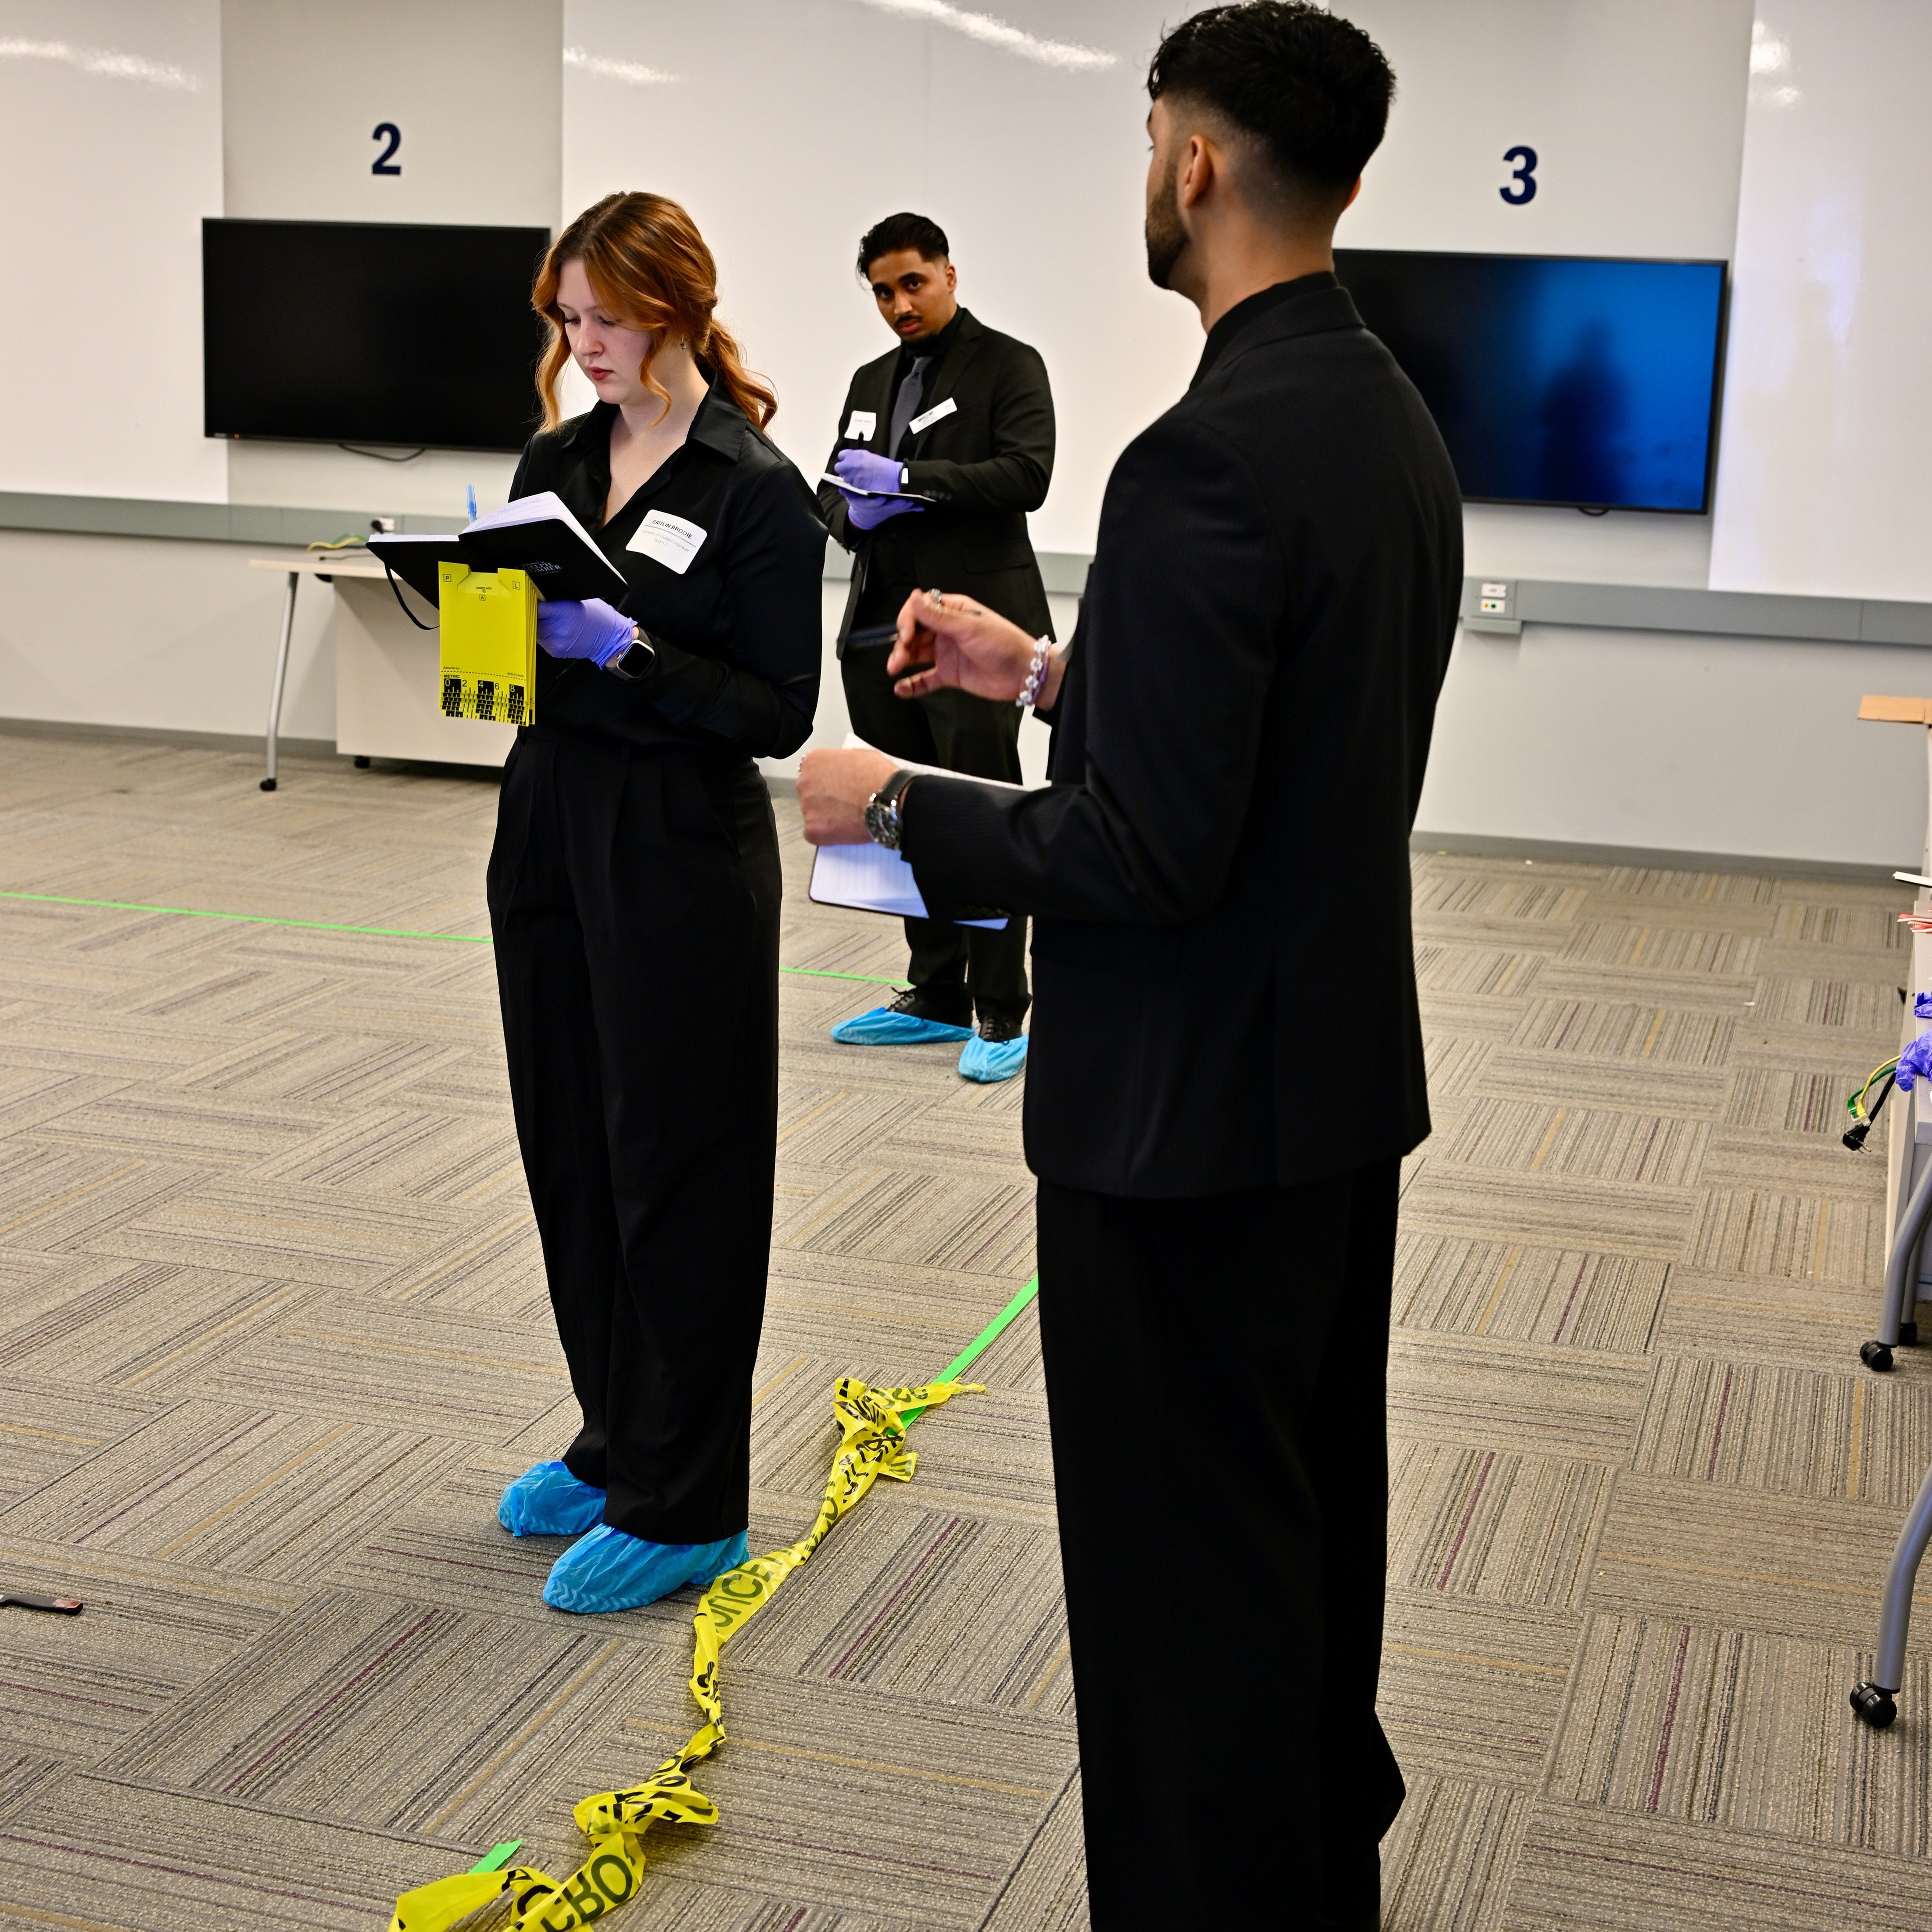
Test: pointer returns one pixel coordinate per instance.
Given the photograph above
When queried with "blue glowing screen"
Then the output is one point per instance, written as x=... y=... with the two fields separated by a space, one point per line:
x=1556 y=378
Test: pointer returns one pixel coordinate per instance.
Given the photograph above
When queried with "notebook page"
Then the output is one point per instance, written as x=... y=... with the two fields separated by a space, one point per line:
x=545 y=505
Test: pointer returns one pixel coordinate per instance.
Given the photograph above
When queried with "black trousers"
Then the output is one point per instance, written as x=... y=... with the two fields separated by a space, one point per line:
x=965 y=967
x=634 y=899
x=1215 y=1377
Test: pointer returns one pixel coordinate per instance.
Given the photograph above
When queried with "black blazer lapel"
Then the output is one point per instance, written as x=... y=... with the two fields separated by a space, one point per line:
x=871 y=391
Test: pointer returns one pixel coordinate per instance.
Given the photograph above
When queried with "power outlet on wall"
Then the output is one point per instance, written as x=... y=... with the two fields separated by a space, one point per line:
x=1492 y=607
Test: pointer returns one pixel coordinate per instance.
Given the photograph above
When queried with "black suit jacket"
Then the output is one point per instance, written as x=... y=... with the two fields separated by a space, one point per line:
x=1223 y=978
x=989 y=460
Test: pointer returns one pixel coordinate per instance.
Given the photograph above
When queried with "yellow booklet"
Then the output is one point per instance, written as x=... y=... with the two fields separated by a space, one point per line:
x=489 y=643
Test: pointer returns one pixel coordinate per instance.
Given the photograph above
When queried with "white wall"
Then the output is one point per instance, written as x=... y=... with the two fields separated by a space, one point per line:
x=1637 y=108
x=1636 y=111
x=110 y=154
x=475 y=87
x=847 y=111
x=1744 y=746
x=1825 y=485
x=190 y=645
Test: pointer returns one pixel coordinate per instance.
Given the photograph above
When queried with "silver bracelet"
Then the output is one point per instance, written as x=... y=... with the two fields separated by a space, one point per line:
x=1043 y=655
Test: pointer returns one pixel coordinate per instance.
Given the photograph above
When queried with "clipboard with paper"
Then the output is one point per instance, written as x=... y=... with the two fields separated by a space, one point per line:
x=838 y=482
x=868 y=878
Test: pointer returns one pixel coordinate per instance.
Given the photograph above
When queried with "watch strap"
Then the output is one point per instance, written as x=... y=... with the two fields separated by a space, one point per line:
x=634 y=660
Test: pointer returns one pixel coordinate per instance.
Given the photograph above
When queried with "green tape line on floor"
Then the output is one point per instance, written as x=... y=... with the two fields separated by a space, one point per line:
x=366 y=931
x=982 y=1342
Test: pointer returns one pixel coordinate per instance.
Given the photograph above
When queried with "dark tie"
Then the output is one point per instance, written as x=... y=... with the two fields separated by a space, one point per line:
x=905 y=404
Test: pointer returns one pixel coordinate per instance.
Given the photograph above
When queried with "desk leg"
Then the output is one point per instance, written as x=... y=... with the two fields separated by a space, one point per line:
x=1927 y=867
x=282 y=674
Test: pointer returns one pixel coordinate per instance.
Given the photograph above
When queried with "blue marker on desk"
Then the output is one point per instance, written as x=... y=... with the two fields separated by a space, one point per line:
x=473 y=503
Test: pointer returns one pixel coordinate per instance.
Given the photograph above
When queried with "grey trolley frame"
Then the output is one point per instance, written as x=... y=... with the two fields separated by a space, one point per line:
x=1875 y=1699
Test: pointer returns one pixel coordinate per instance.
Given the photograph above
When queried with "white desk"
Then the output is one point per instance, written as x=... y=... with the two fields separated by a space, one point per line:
x=386 y=673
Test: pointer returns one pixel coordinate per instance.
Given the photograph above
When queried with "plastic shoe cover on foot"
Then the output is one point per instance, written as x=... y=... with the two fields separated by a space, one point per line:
x=882 y=1027
x=609 y=1570
x=993 y=1059
x=549 y=1500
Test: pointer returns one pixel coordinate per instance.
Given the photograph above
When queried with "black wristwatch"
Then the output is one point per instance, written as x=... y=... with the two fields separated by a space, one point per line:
x=634 y=660
x=882 y=811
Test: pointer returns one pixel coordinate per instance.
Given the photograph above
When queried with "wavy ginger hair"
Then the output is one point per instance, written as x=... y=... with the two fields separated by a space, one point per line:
x=651 y=270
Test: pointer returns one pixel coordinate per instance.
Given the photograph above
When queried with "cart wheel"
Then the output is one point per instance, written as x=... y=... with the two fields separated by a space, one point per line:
x=361 y=764
x=1908 y=1334
x=1874 y=1706
x=268 y=784
x=1876 y=1355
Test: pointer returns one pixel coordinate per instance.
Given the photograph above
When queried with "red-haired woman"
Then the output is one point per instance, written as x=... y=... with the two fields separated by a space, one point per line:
x=633 y=894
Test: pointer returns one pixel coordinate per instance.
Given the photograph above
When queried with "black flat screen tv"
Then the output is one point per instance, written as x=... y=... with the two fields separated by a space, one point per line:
x=1581 y=380
x=369 y=332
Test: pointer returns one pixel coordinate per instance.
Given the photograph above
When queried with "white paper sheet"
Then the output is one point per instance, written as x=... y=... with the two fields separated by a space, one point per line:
x=868 y=878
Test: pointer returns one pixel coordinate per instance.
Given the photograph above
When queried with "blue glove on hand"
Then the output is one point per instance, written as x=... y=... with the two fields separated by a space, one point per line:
x=864 y=471
x=592 y=629
x=1915 y=1063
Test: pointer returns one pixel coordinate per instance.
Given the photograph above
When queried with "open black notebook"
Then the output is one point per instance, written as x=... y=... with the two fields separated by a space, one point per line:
x=537 y=534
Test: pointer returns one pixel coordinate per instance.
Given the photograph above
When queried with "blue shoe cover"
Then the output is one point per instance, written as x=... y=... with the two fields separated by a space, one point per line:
x=993 y=1059
x=549 y=1500
x=609 y=1570
x=882 y=1027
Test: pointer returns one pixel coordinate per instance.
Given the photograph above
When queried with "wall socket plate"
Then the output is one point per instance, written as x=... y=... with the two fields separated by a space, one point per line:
x=1495 y=607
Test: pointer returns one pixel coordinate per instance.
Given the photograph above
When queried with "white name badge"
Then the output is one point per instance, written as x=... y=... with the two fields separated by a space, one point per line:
x=667 y=540
x=947 y=408
x=860 y=428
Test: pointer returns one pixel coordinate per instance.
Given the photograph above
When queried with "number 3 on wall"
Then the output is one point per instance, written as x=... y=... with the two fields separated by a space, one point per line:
x=1524 y=177
x=386 y=164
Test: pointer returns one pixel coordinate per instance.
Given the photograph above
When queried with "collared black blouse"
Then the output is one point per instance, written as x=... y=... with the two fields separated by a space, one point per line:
x=738 y=632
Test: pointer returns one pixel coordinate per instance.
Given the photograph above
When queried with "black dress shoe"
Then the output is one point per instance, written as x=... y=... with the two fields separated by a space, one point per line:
x=933 y=1003
x=995 y=1028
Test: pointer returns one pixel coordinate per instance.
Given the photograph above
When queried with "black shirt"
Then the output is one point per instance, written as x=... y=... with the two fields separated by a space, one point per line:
x=1245 y=311
x=738 y=632
x=930 y=349
x=1242 y=730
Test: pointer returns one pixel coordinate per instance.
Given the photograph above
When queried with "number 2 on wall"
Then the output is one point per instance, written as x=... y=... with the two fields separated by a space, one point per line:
x=385 y=163
x=1524 y=177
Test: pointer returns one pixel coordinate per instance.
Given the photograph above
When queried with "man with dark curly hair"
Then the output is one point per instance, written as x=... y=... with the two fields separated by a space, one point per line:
x=1227 y=1061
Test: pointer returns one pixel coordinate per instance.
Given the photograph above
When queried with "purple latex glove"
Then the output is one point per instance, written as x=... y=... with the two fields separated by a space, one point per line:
x=864 y=471
x=591 y=628
x=1915 y=1063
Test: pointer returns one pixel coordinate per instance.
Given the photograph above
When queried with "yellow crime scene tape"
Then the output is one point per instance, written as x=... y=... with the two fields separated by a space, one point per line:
x=872 y=1425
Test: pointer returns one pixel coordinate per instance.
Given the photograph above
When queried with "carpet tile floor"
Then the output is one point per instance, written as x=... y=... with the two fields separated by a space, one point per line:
x=273 y=1333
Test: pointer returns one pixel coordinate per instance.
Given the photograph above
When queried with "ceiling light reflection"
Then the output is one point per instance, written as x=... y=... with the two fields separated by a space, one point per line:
x=633 y=73
x=997 y=33
x=110 y=63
